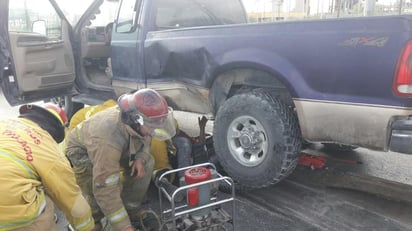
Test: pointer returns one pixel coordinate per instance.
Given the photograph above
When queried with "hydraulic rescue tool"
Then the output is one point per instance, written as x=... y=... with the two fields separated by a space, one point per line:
x=202 y=210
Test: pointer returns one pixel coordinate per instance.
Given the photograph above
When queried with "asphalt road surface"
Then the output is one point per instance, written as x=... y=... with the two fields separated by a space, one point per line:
x=358 y=190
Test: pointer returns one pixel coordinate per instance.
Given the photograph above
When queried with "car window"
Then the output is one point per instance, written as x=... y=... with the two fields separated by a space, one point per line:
x=73 y=9
x=191 y=13
x=24 y=16
x=105 y=15
x=127 y=18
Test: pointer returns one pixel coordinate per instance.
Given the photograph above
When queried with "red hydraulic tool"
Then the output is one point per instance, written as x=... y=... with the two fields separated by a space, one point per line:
x=314 y=162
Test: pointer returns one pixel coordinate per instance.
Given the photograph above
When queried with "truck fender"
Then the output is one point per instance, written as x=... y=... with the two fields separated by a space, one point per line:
x=254 y=68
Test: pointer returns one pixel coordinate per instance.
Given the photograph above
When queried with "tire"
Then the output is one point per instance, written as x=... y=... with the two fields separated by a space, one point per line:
x=257 y=139
x=225 y=188
x=339 y=147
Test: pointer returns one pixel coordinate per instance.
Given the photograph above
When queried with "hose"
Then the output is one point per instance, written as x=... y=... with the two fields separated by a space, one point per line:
x=155 y=217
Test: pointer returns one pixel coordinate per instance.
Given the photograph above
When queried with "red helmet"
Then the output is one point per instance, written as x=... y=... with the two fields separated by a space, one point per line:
x=49 y=114
x=49 y=110
x=56 y=111
x=148 y=108
x=147 y=104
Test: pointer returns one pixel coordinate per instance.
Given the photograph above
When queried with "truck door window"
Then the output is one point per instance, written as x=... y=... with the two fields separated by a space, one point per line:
x=127 y=17
x=105 y=14
x=25 y=15
x=172 y=14
x=74 y=9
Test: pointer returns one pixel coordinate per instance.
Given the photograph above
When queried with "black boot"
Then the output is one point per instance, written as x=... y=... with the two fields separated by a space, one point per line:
x=148 y=221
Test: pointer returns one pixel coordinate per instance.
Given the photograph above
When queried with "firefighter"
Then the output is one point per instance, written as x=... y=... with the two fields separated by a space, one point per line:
x=84 y=114
x=167 y=154
x=33 y=174
x=114 y=139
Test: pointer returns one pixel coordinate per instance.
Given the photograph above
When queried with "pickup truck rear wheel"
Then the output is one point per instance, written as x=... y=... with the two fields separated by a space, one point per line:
x=257 y=138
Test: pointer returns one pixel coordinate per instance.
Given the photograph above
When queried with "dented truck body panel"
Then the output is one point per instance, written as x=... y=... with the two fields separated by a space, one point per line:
x=293 y=52
x=343 y=94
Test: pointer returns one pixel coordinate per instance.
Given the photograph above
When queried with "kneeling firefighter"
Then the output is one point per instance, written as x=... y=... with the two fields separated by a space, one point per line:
x=110 y=154
x=33 y=174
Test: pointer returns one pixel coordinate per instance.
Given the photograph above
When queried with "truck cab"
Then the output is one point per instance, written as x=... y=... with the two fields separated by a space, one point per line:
x=99 y=53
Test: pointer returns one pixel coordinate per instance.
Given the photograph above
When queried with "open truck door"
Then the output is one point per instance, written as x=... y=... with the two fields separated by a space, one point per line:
x=36 y=56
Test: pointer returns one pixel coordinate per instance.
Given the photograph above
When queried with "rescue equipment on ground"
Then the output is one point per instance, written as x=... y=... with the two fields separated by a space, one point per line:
x=203 y=207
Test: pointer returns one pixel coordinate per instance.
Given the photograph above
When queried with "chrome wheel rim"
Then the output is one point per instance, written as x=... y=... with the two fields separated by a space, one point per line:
x=247 y=141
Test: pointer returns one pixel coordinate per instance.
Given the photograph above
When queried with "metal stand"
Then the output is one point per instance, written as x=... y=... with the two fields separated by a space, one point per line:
x=218 y=215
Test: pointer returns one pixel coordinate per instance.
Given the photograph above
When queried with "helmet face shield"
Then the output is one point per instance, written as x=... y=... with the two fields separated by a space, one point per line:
x=157 y=121
x=161 y=127
x=145 y=107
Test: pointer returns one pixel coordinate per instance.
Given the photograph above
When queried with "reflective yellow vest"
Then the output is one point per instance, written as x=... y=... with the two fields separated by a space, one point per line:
x=87 y=112
x=160 y=151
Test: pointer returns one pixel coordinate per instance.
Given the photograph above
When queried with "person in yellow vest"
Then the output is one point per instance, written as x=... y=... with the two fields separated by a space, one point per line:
x=171 y=154
x=114 y=144
x=33 y=174
x=87 y=112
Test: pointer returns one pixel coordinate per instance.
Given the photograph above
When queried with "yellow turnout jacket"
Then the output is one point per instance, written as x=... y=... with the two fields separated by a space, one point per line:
x=30 y=167
x=87 y=112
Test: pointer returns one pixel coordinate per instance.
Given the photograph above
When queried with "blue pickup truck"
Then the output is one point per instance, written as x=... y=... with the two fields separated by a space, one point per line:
x=269 y=87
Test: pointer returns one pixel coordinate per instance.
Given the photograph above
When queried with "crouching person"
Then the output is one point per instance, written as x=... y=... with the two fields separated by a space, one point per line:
x=33 y=174
x=110 y=154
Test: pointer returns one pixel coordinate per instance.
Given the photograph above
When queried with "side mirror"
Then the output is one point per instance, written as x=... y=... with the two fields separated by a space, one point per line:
x=39 y=27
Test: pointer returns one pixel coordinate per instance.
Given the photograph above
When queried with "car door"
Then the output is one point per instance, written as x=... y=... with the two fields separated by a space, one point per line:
x=36 y=54
x=178 y=61
x=126 y=46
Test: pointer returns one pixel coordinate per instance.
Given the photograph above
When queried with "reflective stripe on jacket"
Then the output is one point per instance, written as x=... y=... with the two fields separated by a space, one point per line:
x=30 y=166
x=22 y=168
x=109 y=144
